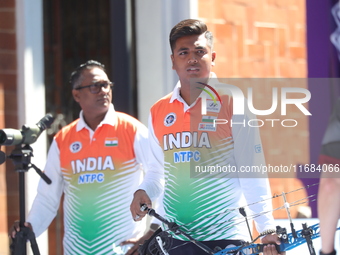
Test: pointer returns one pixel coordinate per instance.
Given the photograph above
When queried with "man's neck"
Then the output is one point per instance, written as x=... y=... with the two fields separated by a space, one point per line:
x=93 y=121
x=189 y=96
x=190 y=90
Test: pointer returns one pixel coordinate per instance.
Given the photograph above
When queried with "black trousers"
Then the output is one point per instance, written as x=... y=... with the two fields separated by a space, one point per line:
x=188 y=248
x=177 y=247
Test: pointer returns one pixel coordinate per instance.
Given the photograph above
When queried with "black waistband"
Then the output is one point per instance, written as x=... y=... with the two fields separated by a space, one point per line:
x=332 y=253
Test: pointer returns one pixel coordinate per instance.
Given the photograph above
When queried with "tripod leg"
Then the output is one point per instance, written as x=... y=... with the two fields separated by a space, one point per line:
x=18 y=246
x=33 y=241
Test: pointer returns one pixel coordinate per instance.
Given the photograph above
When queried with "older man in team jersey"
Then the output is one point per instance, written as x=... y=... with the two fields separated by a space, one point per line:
x=97 y=163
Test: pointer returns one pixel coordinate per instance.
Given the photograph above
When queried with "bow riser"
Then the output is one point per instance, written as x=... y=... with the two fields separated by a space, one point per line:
x=287 y=243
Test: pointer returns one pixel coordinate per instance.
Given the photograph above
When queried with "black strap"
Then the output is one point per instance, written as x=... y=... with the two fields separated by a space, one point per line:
x=332 y=253
x=143 y=249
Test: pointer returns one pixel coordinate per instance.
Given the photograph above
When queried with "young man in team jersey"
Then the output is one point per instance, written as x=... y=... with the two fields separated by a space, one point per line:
x=97 y=163
x=180 y=141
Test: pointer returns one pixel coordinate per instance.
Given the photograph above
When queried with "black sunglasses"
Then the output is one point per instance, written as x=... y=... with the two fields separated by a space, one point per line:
x=95 y=88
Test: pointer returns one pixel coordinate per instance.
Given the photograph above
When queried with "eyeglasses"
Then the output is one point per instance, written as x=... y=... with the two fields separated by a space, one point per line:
x=95 y=88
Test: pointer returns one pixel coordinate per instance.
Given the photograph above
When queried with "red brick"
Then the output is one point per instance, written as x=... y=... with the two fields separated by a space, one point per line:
x=2 y=111
x=250 y=21
x=206 y=9
x=3 y=207
x=256 y=51
x=296 y=16
x=272 y=15
x=293 y=69
x=10 y=102
x=300 y=35
x=7 y=4
x=266 y=34
x=270 y=52
x=278 y=3
x=282 y=42
x=299 y=69
x=7 y=41
x=218 y=13
x=297 y=52
x=11 y=121
x=269 y=69
x=284 y=70
x=2 y=122
x=240 y=40
x=211 y=28
x=224 y=70
x=9 y=81
x=2 y=105
x=233 y=12
x=243 y=2
x=224 y=31
x=8 y=62
x=7 y=20
x=300 y=5
x=245 y=69
x=290 y=32
x=223 y=50
x=224 y=59
x=259 y=69
x=2 y=117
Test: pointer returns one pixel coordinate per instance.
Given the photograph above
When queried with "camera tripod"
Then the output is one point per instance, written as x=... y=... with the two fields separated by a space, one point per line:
x=21 y=157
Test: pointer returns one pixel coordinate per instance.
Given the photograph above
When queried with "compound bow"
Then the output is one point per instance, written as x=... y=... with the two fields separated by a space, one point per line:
x=162 y=242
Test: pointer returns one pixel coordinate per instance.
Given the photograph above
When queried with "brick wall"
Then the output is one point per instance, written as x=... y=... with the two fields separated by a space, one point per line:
x=265 y=39
x=3 y=192
x=9 y=200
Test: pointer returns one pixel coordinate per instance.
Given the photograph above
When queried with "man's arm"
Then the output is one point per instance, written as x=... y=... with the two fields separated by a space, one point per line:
x=154 y=225
x=46 y=203
x=255 y=186
x=249 y=152
x=153 y=183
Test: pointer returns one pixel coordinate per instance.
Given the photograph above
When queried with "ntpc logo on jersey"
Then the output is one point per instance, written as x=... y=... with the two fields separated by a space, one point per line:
x=89 y=169
x=239 y=103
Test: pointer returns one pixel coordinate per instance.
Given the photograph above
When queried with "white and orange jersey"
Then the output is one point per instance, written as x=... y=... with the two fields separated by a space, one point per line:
x=98 y=171
x=185 y=145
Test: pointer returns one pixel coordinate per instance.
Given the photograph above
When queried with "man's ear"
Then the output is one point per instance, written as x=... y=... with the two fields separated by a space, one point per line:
x=213 y=57
x=172 y=61
x=75 y=94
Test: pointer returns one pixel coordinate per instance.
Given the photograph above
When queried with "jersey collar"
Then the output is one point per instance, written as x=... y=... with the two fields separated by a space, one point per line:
x=177 y=96
x=110 y=119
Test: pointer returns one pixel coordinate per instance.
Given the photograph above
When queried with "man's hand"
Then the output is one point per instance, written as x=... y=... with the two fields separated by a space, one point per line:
x=271 y=249
x=136 y=243
x=139 y=198
x=16 y=228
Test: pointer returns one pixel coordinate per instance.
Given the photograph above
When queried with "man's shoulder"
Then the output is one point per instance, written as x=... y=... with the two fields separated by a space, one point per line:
x=122 y=116
x=67 y=130
x=162 y=101
x=124 y=120
x=69 y=126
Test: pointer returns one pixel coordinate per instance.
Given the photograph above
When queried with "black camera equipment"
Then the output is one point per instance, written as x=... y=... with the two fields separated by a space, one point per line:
x=21 y=157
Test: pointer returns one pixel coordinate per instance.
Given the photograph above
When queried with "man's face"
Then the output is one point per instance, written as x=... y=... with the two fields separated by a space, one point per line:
x=93 y=103
x=192 y=57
